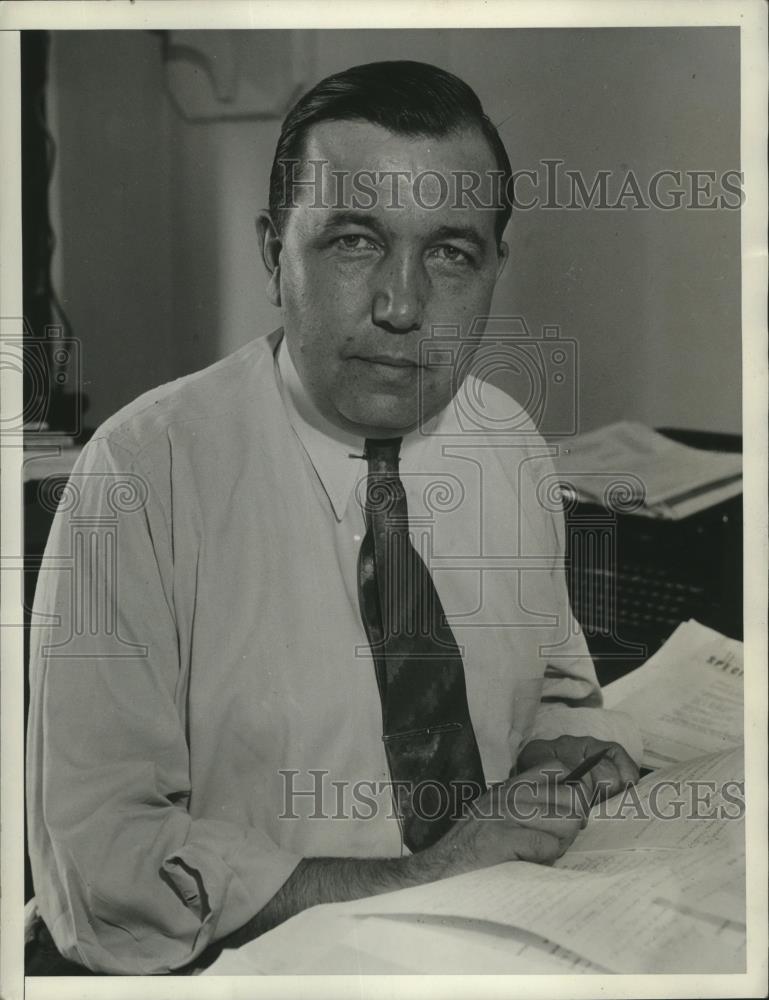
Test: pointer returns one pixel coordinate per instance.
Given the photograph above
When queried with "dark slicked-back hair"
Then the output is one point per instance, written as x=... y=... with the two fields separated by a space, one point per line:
x=408 y=98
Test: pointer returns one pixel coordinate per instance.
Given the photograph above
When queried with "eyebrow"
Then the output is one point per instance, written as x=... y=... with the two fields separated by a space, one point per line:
x=468 y=233
x=352 y=218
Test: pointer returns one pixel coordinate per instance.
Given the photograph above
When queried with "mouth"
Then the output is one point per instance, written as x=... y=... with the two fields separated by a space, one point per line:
x=388 y=361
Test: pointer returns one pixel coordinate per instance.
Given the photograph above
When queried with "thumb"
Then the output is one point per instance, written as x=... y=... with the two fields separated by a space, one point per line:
x=548 y=770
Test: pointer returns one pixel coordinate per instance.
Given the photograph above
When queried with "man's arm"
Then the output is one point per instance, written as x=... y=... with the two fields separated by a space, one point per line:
x=571 y=699
x=126 y=879
x=527 y=818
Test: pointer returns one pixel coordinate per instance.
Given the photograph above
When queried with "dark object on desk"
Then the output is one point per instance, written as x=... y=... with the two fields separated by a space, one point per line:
x=633 y=579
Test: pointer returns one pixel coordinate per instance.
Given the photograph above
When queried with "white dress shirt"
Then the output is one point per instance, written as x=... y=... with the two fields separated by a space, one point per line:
x=204 y=708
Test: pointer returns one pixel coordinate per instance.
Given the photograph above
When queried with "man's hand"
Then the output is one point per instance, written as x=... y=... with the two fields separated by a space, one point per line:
x=530 y=817
x=616 y=771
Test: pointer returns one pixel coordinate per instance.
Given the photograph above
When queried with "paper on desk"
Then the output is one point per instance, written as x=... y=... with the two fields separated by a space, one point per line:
x=618 y=921
x=627 y=895
x=667 y=473
x=640 y=827
x=701 y=880
x=702 y=835
x=582 y=921
x=687 y=699
x=334 y=942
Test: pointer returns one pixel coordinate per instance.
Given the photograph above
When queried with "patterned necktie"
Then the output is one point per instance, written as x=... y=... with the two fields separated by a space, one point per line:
x=427 y=731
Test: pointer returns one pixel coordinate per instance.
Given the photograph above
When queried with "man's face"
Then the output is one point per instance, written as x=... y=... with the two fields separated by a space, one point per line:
x=361 y=287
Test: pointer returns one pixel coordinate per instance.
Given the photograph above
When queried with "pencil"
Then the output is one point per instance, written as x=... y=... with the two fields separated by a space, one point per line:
x=587 y=765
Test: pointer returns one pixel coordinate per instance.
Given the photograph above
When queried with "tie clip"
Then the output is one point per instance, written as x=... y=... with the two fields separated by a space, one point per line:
x=445 y=727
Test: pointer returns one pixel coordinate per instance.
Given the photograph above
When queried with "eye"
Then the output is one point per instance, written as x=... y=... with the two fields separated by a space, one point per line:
x=351 y=242
x=448 y=253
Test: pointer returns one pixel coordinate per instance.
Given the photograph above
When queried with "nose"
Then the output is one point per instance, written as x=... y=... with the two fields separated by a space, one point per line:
x=398 y=302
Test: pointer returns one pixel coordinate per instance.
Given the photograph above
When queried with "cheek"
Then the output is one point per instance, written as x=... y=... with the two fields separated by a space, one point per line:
x=324 y=298
x=296 y=286
x=460 y=302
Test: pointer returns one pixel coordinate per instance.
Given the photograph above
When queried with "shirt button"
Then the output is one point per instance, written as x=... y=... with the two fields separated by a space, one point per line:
x=356 y=538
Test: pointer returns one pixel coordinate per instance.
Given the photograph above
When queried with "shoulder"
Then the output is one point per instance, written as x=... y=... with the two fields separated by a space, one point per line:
x=489 y=413
x=499 y=424
x=218 y=394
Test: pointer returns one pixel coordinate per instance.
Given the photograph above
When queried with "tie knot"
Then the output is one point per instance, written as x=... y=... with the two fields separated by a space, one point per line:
x=383 y=454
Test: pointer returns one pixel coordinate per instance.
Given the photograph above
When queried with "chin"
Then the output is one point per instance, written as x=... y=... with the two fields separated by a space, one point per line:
x=383 y=420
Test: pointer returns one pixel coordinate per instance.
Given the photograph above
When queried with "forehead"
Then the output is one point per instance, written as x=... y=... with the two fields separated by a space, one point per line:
x=425 y=176
x=361 y=145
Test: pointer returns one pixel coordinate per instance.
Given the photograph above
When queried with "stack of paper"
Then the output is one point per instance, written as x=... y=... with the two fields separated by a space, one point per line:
x=687 y=699
x=633 y=468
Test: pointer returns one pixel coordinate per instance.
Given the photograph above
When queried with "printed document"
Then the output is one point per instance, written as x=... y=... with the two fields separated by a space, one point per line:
x=687 y=699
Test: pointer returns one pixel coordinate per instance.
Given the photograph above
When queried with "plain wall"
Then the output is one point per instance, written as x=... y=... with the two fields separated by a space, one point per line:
x=157 y=261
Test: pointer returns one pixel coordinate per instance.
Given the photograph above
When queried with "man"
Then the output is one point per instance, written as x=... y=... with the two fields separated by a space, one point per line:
x=300 y=617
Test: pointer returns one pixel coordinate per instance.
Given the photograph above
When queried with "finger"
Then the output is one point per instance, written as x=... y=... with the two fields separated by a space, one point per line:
x=534 y=753
x=616 y=771
x=627 y=767
x=561 y=815
x=586 y=793
x=545 y=772
x=588 y=781
x=564 y=830
x=539 y=847
x=544 y=788
x=576 y=798
x=559 y=837
x=606 y=777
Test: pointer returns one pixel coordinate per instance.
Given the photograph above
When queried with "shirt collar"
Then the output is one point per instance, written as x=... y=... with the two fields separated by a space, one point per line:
x=335 y=454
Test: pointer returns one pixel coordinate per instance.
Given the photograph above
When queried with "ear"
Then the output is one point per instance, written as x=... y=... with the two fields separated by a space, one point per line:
x=503 y=254
x=270 y=246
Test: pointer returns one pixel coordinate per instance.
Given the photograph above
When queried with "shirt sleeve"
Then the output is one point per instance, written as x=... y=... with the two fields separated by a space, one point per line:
x=571 y=702
x=126 y=879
